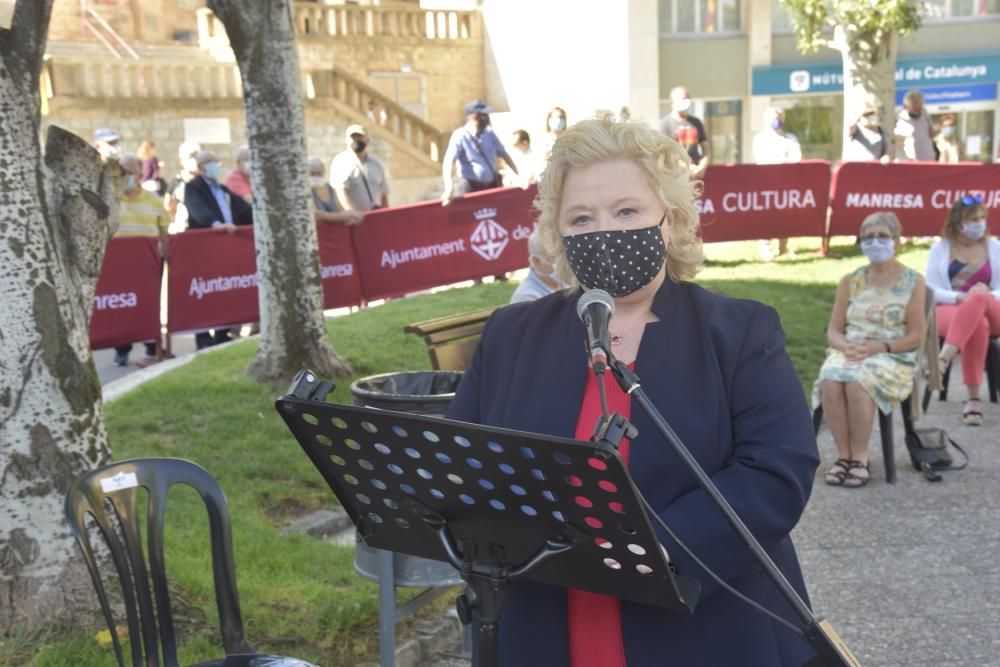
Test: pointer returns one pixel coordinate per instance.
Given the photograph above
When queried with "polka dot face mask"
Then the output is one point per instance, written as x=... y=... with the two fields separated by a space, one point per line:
x=619 y=262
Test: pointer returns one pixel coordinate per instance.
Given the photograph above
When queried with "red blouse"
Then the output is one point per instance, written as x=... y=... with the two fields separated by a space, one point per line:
x=595 y=629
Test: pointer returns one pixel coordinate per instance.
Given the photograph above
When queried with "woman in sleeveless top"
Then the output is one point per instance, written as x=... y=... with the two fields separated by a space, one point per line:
x=876 y=327
x=964 y=271
x=324 y=200
x=867 y=139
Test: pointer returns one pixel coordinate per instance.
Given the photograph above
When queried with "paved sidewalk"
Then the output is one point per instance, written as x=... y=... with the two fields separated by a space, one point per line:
x=908 y=573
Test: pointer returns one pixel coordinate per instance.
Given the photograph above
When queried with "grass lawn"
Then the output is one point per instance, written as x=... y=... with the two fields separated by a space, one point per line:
x=300 y=596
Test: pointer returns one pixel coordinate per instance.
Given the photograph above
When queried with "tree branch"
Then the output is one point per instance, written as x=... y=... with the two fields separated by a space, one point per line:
x=23 y=46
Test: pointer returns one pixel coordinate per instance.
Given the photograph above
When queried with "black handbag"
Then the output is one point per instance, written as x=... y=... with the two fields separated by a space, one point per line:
x=929 y=453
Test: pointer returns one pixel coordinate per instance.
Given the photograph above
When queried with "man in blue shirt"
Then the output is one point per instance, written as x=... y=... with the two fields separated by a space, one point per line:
x=475 y=147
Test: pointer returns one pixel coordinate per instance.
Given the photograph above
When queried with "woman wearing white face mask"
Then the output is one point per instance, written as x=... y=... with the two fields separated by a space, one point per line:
x=875 y=329
x=964 y=271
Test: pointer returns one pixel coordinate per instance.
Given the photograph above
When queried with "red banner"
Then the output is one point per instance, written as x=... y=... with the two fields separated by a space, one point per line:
x=341 y=279
x=212 y=281
x=744 y=202
x=410 y=248
x=919 y=193
x=127 y=299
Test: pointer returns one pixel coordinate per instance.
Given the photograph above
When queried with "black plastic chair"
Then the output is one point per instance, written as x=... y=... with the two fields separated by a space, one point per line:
x=110 y=497
x=885 y=432
x=992 y=373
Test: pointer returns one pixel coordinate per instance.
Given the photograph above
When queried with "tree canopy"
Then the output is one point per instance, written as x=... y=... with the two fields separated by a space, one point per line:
x=866 y=21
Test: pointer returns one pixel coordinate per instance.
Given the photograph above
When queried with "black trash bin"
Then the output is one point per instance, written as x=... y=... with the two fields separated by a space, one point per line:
x=416 y=392
x=421 y=393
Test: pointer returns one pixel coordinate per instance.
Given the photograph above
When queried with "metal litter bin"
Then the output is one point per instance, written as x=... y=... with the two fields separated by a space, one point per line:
x=423 y=393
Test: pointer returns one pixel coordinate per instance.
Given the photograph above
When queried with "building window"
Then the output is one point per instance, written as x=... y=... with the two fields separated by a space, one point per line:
x=781 y=19
x=682 y=17
x=943 y=10
x=723 y=121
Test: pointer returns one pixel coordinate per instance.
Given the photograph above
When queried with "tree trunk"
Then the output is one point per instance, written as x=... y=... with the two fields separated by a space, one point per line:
x=869 y=72
x=55 y=221
x=292 y=329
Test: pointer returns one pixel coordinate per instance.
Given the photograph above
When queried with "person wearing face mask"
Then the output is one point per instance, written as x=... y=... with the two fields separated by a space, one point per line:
x=555 y=124
x=210 y=204
x=914 y=130
x=875 y=329
x=107 y=141
x=949 y=148
x=324 y=199
x=173 y=200
x=140 y=214
x=475 y=148
x=529 y=170
x=963 y=268
x=688 y=130
x=617 y=212
x=772 y=145
x=541 y=279
x=359 y=179
x=238 y=180
x=866 y=141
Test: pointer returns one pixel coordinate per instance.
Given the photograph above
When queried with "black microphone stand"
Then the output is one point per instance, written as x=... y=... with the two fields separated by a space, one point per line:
x=831 y=651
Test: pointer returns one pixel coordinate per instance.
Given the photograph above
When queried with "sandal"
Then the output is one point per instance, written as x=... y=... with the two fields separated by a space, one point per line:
x=972 y=417
x=837 y=473
x=853 y=480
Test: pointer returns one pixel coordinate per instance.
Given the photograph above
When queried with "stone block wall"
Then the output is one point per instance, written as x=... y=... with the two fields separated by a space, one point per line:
x=158 y=21
x=453 y=71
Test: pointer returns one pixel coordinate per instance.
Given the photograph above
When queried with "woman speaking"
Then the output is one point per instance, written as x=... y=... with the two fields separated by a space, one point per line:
x=617 y=212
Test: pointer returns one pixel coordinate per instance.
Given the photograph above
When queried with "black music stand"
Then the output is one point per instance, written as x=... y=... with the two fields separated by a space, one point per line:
x=499 y=505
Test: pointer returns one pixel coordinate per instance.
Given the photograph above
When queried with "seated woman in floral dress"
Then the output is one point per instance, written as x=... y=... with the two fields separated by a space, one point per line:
x=876 y=327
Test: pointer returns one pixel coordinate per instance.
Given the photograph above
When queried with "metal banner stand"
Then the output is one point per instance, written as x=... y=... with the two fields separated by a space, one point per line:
x=499 y=505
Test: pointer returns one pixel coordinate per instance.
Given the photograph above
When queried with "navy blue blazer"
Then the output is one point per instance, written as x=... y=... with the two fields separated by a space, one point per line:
x=203 y=209
x=717 y=369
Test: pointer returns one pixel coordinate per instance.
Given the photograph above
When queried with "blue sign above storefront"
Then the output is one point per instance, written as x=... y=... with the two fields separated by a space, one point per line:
x=953 y=94
x=911 y=72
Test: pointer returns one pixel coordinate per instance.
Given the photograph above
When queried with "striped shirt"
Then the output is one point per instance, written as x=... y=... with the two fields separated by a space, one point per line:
x=142 y=215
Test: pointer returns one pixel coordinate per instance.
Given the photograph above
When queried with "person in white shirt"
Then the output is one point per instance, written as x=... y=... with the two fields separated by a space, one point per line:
x=772 y=145
x=359 y=179
x=914 y=130
x=528 y=166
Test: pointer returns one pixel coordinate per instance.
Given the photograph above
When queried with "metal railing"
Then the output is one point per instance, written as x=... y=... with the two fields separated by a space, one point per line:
x=354 y=21
x=95 y=23
x=379 y=109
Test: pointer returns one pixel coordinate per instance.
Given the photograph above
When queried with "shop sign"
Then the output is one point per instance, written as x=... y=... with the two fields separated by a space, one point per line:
x=911 y=72
x=953 y=94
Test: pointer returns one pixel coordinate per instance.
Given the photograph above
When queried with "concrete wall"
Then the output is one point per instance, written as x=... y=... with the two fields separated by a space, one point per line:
x=708 y=67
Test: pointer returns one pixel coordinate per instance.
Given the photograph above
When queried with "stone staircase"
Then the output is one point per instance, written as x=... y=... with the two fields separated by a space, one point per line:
x=93 y=71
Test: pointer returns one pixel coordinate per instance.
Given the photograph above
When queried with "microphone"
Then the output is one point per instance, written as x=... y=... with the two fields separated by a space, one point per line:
x=595 y=309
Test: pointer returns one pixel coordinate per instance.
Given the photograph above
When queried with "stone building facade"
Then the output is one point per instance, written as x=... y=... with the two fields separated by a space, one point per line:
x=162 y=70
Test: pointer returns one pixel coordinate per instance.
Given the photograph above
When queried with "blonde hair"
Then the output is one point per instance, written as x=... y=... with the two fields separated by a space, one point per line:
x=147 y=150
x=664 y=161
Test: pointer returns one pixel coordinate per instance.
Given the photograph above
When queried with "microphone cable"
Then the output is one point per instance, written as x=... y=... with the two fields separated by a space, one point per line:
x=716 y=578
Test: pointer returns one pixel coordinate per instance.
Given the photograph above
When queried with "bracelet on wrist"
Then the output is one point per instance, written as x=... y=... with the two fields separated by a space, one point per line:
x=888 y=348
